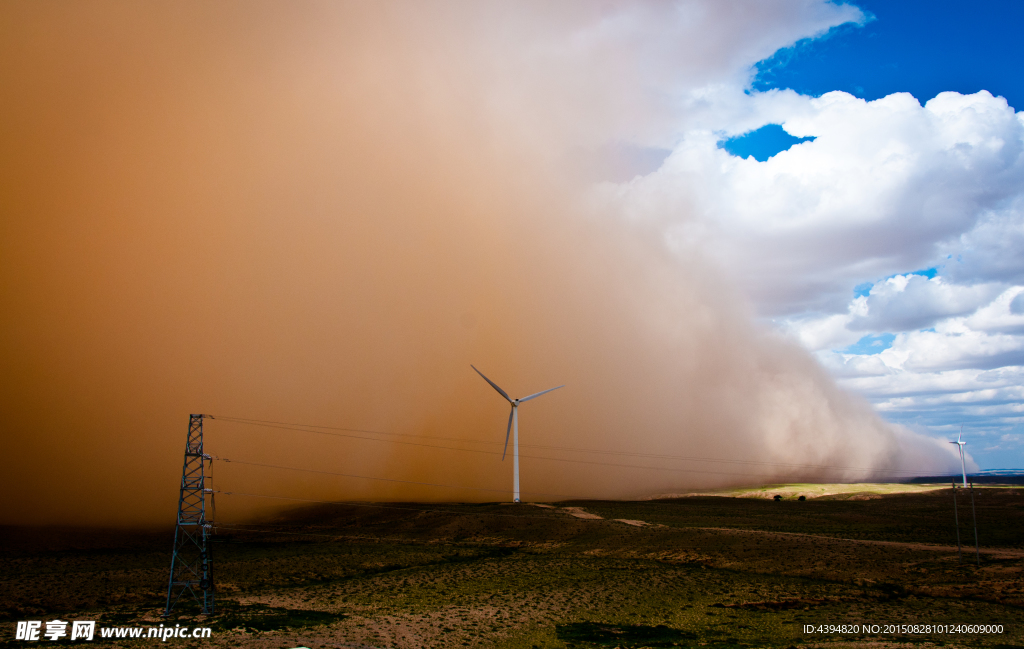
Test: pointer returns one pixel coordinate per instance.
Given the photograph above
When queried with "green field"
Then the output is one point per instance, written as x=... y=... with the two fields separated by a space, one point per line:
x=702 y=571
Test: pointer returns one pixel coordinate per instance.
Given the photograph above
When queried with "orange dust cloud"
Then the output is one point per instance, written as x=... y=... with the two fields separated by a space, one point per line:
x=323 y=212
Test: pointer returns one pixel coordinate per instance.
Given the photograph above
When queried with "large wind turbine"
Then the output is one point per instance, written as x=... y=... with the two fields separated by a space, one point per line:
x=960 y=446
x=513 y=426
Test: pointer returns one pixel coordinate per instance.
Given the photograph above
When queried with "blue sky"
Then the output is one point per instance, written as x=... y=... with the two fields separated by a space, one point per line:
x=762 y=143
x=923 y=48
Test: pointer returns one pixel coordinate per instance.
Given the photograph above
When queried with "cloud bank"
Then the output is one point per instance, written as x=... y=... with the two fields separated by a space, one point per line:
x=323 y=213
x=897 y=220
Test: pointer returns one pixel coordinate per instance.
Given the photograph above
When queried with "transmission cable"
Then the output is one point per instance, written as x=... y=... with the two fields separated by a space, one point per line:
x=310 y=428
x=366 y=477
x=399 y=507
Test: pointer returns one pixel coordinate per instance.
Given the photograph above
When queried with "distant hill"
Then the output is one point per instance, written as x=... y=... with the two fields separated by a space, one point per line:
x=991 y=476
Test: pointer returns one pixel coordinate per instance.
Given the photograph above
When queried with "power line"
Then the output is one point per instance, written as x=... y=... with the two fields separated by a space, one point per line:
x=254 y=422
x=310 y=428
x=366 y=477
x=377 y=506
x=434 y=484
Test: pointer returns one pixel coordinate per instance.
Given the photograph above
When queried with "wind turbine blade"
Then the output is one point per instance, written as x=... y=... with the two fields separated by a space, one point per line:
x=493 y=385
x=507 y=431
x=534 y=396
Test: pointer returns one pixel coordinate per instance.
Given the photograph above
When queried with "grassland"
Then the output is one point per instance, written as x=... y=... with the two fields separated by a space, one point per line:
x=858 y=491
x=708 y=571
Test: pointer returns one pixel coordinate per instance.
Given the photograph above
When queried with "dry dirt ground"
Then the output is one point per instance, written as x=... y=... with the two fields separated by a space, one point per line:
x=687 y=572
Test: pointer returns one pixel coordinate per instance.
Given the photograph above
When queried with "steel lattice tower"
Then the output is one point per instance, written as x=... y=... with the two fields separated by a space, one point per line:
x=191 y=562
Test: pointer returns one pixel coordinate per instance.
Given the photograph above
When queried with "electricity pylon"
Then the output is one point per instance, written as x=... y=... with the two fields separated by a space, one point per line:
x=191 y=563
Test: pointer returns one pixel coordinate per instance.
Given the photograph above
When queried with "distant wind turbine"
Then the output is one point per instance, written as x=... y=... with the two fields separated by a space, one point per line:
x=513 y=425
x=960 y=445
x=974 y=516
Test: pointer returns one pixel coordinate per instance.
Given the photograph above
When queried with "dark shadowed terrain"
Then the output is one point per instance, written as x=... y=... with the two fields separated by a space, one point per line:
x=687 y=572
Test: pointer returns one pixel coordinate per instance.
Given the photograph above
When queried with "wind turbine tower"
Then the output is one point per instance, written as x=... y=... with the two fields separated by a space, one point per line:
x=513 y=427
x=960 y=446
x=974 y=516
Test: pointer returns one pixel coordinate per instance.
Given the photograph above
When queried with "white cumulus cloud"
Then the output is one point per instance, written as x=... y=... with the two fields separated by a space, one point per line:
x=920 y=208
